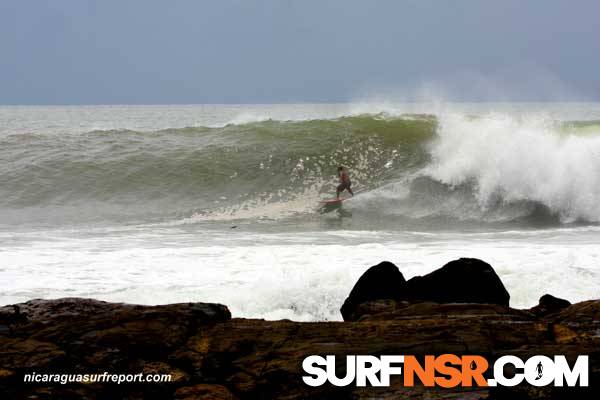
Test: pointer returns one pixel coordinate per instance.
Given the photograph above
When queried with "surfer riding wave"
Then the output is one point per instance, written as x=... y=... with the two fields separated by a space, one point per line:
x=345 y=182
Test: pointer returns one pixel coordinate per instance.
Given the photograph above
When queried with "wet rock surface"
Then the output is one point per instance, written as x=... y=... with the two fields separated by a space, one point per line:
x=381 y=281
x=549 y=304
x=466 y=280
x=213 y=356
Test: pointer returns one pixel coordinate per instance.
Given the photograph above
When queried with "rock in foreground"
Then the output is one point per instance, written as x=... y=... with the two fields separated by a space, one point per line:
x=212 y=356
x=549 y=304
x=382 y=281
x=466 y=280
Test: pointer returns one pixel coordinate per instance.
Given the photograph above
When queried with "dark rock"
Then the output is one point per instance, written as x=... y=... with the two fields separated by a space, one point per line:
x=87 y=336
x=549 y=304
x=161 y=368
x=376 y=307
x=382 y=281
x=10 y=316
x=18 y=353
x=466 y=280
x=212 y=356
x=406 y=310
x=254 y=362
x=204 y=392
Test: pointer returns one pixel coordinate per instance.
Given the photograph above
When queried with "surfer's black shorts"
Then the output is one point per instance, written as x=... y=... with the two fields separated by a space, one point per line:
x=343 y=186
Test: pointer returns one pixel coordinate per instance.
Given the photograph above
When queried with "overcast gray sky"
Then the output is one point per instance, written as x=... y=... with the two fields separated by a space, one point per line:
x=225 y=51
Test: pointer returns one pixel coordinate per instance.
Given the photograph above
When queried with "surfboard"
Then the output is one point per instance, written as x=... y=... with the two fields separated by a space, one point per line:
x=335 y=202
x=332 y=202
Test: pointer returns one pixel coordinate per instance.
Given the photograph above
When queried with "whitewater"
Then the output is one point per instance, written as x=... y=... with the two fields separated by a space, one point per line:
x=220 y=203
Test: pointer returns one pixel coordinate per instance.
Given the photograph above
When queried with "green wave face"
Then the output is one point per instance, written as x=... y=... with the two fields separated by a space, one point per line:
x=205 y=169
x=434 y=170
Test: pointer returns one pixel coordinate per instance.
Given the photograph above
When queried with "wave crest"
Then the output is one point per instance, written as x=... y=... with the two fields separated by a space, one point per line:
x=492 y=167
x=511 y=161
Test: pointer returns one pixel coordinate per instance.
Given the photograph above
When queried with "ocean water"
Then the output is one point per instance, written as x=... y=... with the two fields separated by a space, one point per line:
x=220 y=203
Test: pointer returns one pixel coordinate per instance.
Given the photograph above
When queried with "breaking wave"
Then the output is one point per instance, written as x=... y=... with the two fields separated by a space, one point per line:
x=485 y=168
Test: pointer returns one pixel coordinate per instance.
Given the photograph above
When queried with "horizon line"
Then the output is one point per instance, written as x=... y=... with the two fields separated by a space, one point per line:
x=373 y=101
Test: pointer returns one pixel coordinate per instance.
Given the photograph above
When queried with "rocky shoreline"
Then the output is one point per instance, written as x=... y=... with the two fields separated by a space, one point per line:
x=461 y=308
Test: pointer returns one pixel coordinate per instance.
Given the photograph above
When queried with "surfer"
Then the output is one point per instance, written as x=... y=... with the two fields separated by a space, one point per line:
x=345 y=182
